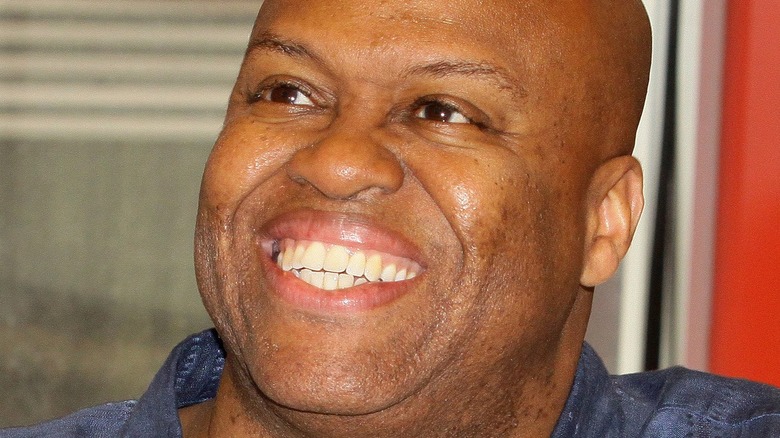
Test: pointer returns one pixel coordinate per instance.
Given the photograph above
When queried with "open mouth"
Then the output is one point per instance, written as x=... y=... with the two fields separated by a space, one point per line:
x=334 y=267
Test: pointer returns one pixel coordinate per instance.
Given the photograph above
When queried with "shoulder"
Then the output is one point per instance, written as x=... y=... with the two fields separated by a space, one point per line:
x=705 y=404
x=675 y=402
x=98 y=421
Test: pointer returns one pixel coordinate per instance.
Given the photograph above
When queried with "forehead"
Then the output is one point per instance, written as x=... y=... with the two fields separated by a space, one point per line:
x=411 y=13
x=504 y=31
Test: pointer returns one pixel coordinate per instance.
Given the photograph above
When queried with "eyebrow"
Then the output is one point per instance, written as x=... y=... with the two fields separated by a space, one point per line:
x=267 y=41
x=443 y=69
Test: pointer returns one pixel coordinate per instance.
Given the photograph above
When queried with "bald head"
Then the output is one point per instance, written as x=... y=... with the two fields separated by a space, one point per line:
x=613 y=52
x=591 y=56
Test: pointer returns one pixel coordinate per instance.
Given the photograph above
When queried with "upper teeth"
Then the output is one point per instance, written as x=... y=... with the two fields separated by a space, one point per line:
x=333 y=267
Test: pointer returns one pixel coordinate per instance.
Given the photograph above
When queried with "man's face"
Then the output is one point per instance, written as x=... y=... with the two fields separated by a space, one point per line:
x=442 y=138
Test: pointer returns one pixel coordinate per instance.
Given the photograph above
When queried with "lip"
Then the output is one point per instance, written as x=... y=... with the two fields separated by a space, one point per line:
x=350 y=230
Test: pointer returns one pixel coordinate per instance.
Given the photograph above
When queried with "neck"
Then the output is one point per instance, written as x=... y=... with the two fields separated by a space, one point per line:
x=505 y=403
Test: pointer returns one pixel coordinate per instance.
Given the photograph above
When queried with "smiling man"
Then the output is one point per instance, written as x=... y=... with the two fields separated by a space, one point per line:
x=400 y=230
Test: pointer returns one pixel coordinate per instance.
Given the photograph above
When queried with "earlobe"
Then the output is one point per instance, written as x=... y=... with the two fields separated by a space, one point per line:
x=615 y=203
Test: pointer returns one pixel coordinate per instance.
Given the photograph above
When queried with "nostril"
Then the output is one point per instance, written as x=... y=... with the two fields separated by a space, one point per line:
x=297 y=178
x=343 y=167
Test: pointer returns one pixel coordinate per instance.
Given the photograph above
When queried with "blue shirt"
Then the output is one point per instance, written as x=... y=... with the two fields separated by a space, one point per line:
x=669 y=403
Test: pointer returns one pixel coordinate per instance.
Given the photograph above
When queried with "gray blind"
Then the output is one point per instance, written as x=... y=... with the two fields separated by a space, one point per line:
x=118 y=69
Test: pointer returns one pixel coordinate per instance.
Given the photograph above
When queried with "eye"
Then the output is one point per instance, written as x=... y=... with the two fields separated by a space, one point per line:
x=287 y=94
x=441 y=112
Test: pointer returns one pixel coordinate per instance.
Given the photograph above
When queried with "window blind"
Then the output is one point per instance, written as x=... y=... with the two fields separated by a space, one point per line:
x=89 y=69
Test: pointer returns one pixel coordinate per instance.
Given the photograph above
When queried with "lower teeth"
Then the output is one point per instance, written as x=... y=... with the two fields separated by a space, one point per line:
x=328 y=280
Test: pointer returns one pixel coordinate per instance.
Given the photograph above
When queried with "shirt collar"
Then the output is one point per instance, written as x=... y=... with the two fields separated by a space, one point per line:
x=189 y=376
x=585 y=412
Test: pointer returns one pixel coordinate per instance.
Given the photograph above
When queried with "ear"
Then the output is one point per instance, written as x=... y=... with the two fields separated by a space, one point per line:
x=614 y=204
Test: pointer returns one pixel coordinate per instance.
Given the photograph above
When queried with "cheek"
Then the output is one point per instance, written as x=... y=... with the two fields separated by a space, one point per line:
x=243 y=157
x=240 y=161
x=485 y=202
x=513 y=227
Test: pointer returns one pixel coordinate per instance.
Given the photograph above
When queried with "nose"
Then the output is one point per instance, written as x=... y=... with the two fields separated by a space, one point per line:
x=345 y=165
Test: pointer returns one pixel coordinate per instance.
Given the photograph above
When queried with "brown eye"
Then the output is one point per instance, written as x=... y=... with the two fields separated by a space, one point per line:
x=286 y=94
x=441 y=112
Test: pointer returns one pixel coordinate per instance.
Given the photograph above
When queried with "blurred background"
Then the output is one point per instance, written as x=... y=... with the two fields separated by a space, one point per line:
x=108 y=110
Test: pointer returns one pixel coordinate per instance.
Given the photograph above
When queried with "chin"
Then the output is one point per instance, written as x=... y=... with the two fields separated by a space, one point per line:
x=330 y=385
x=322 y=365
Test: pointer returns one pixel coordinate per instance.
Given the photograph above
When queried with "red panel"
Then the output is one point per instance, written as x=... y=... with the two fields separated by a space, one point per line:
x=745 y=339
